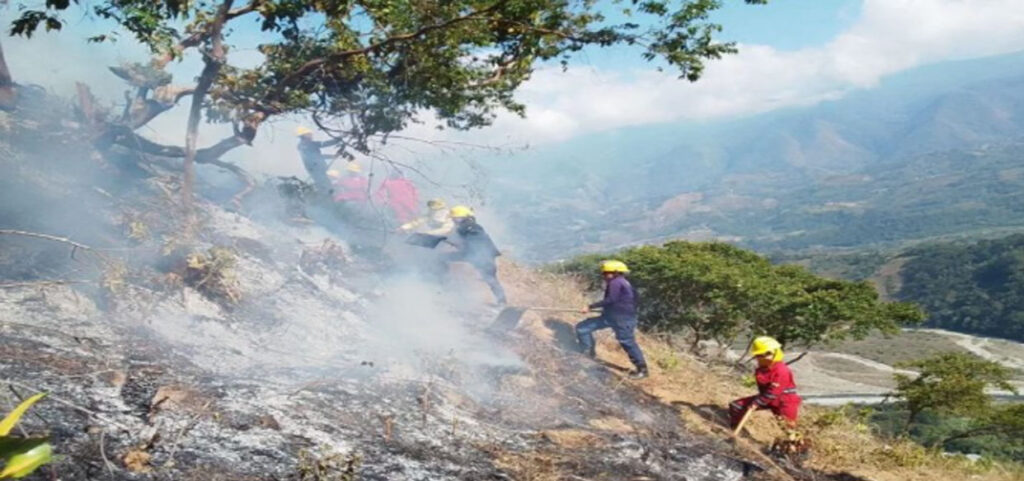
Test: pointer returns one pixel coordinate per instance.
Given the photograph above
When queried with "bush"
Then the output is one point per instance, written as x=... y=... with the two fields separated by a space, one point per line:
x=713 y=290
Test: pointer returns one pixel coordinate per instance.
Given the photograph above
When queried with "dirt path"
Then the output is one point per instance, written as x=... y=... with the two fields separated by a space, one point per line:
x=982 y=347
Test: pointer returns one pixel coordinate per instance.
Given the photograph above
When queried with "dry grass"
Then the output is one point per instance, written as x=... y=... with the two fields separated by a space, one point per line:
x=571 y=438
x=611 y=424
x=531 y=466
x=701 y=392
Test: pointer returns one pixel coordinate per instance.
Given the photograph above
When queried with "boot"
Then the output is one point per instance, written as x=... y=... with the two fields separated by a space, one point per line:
x=639 y=373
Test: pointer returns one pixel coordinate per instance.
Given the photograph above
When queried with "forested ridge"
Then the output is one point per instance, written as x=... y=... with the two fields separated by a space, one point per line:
x=976 y=288
x=970 y=286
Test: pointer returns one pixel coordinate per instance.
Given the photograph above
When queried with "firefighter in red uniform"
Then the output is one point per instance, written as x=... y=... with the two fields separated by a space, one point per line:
x=354 y=187
x=399 y=194
x=777 y=390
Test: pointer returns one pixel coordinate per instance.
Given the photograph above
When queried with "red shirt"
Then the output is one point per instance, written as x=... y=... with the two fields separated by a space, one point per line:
x=352 y=189
x=775 y=384
x=401 y=196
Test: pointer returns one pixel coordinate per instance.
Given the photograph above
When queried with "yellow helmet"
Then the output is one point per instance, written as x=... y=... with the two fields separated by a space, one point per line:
x=300 y=131
x=618 y=267
x=353 y=167
x=765 y=344
x=435 y=204
x=333 y=173
x=460 y=211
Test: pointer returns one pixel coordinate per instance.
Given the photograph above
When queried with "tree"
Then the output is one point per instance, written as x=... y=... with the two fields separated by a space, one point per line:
x=7 y=94
x=1003 y=422
x=807 y=309
x=365 y=68
x=951 y=383
x=713 y=290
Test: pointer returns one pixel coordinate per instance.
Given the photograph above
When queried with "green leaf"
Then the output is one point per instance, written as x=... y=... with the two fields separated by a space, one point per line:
x=10 y=446
x=21 y=465
x=12 y=419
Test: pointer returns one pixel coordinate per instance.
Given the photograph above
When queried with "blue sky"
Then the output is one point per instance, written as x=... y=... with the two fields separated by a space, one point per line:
x=783 y=24
x=787 y=24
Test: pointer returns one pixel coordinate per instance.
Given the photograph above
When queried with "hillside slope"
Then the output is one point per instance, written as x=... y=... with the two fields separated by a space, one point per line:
x=255 y=349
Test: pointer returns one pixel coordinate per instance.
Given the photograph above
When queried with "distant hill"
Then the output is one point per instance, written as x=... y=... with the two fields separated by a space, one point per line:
x=974 y=287
x=929 y=152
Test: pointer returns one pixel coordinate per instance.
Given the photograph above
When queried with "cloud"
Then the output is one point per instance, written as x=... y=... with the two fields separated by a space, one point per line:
x=888 y=37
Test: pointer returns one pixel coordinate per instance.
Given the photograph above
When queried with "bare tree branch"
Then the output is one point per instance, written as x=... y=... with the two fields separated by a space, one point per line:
x=142 y=110
x=10 y=285
x=76 y=245
x=197 y=38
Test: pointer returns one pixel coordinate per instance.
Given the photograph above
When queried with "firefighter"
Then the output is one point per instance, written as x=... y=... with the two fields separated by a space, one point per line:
x=354 y=187
x=313 y=160
x=436 y=221
x=475 y=247
x=618 y=313
x=777 y=390
x=400 y=195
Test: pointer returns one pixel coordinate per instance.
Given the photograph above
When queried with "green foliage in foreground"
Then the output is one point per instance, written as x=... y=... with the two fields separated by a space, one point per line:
x=22 y=456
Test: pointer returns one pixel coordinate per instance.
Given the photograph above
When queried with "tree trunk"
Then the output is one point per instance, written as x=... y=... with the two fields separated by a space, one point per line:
x=697 y=337
x=214 y=60
x=911 y=417
x=7 y=95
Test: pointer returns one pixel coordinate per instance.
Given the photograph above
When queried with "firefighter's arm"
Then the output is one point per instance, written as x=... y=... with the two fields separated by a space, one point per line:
x=328 y=143
x=445 y=229
x=770 y=393
x=610 y=296
x=413 y=224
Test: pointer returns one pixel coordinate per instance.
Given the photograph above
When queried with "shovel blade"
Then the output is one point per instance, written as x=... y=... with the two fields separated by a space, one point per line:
x=507 y=319
x=424 y=240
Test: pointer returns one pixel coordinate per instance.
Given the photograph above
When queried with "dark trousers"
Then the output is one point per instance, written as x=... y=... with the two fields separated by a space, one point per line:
x=489 y=273
x=625 y=332
x=318 y=171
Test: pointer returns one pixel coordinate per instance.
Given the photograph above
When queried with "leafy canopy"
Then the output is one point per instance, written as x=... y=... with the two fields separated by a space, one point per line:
x=373 y=65
x=953 y=383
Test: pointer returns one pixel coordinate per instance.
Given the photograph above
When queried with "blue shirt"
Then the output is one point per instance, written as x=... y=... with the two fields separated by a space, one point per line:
x=619 y=298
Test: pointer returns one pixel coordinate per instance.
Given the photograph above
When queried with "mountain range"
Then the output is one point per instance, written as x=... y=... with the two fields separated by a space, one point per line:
x=927 y=152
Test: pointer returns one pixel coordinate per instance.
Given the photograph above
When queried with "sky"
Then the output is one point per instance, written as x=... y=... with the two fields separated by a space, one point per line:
x=792 y=53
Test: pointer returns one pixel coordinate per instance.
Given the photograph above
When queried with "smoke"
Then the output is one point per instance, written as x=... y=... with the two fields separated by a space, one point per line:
x=392 y=310
x=414 y=319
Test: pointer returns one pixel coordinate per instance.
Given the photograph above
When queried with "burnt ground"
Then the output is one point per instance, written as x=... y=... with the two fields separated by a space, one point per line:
x=560 y=417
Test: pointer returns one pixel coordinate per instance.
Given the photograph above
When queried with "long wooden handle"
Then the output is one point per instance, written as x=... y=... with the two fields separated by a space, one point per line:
x=554 y=309
x=743 y=420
